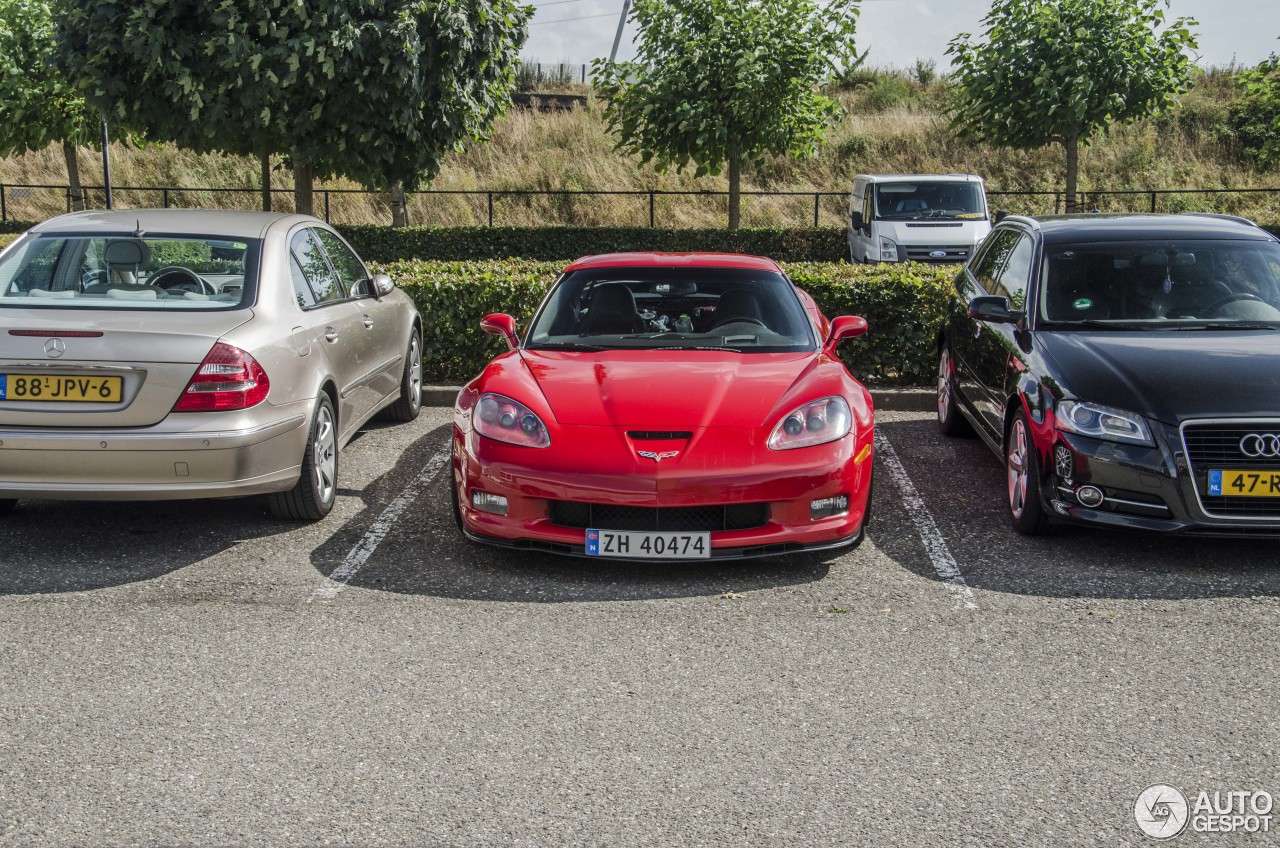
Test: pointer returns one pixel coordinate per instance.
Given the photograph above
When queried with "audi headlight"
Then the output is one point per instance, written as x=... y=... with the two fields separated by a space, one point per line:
x=1103 y=422
x=505 y=420
x=888 y=250
x=814 y=423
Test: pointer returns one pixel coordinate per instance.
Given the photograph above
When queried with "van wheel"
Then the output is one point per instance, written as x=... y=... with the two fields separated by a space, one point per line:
x=7 y=505
x=313 y=496
x=409 y=404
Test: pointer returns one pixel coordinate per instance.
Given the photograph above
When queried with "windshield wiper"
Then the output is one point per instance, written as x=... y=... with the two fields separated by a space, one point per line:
x=567 y=346
x=1212 y=326
x=1093 y=324
x=689 y=347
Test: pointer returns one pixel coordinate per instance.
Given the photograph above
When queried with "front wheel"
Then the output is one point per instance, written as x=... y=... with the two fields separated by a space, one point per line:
x=1022 y=469
x=950 y=420
x=313 y=496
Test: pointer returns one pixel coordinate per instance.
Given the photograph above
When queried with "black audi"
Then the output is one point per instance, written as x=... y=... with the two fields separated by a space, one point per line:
x=1125 y=367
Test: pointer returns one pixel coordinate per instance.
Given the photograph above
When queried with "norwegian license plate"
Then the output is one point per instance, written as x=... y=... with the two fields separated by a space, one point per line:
x=1246 y=484
x=46 y=388
x=626 y=545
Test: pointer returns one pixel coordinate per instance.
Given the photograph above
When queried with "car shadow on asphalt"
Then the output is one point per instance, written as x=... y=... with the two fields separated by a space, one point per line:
x=77 y=546
x=425 y=554
x=962 y=483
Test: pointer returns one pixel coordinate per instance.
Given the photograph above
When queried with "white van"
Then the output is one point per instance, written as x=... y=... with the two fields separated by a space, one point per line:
x=917 y=217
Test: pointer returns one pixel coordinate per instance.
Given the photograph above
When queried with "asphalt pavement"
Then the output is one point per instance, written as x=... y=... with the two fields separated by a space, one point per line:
x=195 y=673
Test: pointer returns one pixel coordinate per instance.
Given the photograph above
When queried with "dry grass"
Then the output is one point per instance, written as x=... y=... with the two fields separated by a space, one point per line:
x=893 y=126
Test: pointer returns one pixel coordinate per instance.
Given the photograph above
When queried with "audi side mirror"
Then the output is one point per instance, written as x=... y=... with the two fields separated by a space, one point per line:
x=993 y=309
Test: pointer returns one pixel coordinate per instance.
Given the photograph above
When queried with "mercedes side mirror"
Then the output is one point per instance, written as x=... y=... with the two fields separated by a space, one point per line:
x=844 y=327
x=993 y=309
x=501 y=325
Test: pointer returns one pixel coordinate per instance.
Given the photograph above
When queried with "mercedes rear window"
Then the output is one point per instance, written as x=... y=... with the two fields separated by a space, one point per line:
x=147 y=272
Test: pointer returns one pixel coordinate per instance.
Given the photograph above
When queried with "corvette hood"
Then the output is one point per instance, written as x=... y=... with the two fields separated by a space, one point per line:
x=1172 y=376
x=665 y=389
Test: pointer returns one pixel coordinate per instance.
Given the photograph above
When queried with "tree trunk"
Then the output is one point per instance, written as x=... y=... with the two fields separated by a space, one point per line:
x=399 y=206
x=266 y=182
x=1072 y=144
x=73 y=177
x=735 y=192
x=303 y=177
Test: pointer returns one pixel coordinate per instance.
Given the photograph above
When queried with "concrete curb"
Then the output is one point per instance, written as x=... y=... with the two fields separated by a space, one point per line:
x=888 y=400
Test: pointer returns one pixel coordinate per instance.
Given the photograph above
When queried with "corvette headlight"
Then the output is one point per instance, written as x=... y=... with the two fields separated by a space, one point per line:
x=506 y=420
x=1103 y=422
x=814 y=423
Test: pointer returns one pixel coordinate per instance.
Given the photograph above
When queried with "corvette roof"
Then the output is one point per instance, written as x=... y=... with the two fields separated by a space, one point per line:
x=674 y=260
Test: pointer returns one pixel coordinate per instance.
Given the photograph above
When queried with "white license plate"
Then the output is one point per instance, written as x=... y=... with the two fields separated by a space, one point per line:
x=617 y=543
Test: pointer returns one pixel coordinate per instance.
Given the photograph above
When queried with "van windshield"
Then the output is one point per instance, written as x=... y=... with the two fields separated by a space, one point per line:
x=916 y=200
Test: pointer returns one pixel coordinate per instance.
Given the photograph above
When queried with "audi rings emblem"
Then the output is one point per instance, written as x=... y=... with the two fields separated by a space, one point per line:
x=1258 y=445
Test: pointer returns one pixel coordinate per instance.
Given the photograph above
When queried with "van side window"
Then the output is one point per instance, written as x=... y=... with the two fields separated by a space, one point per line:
x=868 y=207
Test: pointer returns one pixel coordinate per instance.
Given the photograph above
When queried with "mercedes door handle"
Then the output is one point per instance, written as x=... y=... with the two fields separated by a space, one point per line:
x=330 y=335
x=368 y=323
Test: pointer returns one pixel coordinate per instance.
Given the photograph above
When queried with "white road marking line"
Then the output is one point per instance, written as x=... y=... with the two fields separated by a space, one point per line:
x=360 y=553
x=934 y=545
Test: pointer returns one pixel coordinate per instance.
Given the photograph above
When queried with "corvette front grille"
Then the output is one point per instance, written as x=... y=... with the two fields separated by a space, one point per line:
x=687 y=519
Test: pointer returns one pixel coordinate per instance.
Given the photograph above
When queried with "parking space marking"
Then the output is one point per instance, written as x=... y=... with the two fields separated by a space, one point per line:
x=363 y=549
x=934 y=545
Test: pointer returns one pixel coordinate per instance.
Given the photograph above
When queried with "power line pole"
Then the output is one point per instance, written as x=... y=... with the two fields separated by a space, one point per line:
x=622 y=23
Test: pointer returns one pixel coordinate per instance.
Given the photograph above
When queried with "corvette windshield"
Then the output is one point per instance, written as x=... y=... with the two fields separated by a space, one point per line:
x=748 y=311
x=1167 y=284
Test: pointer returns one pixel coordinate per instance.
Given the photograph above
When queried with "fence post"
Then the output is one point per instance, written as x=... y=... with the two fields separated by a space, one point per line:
x=490 y=194
x=817 y=200
x=83 y=193
x=652 y=211
x=165 y=198
x=1153 y=203
x=1057 y=202
x=326 y=207
x=4 y=211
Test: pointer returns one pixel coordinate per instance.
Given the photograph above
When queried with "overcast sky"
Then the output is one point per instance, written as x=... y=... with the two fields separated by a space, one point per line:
x=900 y=31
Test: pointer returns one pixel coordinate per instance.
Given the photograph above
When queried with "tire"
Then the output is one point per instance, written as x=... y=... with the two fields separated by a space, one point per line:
x=457 y=511
x=7 y=505
x=866 y=515
x=951 y=420
x=1022 y=471
x=313 y=496
x=409 y=404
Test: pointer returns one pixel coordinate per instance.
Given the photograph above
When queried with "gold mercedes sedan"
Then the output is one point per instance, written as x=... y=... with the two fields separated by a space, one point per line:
x=162 y=354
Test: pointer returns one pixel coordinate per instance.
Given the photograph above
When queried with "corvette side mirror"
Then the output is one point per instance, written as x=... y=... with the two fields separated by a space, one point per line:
x=501 y=325
x=844 y=327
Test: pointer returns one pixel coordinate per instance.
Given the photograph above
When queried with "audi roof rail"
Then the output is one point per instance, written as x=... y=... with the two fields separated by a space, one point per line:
x=1223 y=217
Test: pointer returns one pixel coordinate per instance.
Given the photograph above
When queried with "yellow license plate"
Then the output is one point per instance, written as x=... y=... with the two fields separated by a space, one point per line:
x=46 y=388
x=1245 y=484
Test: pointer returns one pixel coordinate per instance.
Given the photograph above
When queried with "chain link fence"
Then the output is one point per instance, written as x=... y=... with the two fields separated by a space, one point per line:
x=666 y=209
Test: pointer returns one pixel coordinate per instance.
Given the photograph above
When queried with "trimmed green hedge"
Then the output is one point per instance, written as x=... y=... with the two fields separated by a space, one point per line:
x=903 y=305
x=384 y=244
x=15 y=227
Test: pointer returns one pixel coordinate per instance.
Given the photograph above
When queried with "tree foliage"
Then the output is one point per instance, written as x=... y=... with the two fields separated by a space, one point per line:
x=719 y=82
x=38 y=107
x=377 y=91
x=1255 y=116
x=1064 y=70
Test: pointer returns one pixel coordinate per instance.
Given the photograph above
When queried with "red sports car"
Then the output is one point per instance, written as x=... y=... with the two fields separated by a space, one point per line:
x=667 y=406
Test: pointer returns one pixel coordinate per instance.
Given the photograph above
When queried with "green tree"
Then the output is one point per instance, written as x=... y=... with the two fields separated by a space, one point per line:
x=719 y=82
x=1255 y=115
x=38 y=107
x=1062 y=71
x=377 y=91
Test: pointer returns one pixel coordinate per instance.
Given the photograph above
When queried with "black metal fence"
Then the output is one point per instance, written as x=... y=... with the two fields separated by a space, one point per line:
x=656 y=208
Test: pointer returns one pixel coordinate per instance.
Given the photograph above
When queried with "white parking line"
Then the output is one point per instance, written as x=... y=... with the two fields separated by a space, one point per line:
x=934 y=545
x=360 y=553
